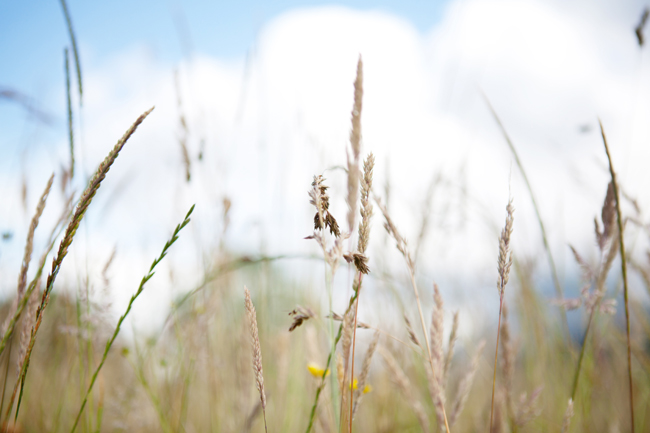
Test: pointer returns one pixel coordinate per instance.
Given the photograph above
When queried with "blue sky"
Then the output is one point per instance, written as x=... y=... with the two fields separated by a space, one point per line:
x=34 y=32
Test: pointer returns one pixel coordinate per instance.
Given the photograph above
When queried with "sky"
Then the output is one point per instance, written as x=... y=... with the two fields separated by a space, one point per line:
x=266 y=92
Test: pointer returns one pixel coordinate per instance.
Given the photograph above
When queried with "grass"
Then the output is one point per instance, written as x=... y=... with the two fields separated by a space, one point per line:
x=319 y=375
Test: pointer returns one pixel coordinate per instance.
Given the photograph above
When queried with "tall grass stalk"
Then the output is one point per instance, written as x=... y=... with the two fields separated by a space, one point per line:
x=504 y=265
x=547 y=248
x=257 y=352
x=410 y=264
x=144 y=280
x=73 y=41
x=84 y=201
x=619 y=221
x=362 y=246
x=69 y=101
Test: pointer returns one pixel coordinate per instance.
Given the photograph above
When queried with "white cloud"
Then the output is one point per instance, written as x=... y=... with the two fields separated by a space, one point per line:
x=270 y=124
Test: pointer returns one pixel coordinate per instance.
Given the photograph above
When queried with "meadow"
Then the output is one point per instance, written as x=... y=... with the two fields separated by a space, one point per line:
x=250 y=348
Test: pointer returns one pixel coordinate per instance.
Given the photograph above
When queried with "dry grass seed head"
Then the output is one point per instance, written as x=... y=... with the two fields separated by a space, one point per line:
x=255 y=345
x=300 y=314
x=505 y=255
x=355 y=144
x=608 y=216
x=409 y=328
x=435 y=377
x=366 y=205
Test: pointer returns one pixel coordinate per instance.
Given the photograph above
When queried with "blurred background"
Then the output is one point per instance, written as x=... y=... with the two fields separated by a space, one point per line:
x=253 y=99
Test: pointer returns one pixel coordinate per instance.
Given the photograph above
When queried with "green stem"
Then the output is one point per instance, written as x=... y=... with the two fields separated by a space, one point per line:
x=144 y=280
x=312 y=415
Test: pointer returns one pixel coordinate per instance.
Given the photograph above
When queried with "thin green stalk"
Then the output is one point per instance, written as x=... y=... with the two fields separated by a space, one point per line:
x=312 y=415
x=69 y=99
x=4 y=385
x=619 y=220
x=144 y=280
x=551 y=262
x=73 y=40
x=576 y=377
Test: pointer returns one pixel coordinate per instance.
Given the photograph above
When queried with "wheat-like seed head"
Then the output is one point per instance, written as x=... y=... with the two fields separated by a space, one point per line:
x=608 y=215
x=355 y=144
x=255 y=345
x=505 y=255
x=366 y=206
x=27 y=255
x=437 y=364
x=409 y=328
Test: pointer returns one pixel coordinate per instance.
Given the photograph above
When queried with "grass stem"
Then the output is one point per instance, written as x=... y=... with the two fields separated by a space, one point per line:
x=619 y=220
x=144 y=280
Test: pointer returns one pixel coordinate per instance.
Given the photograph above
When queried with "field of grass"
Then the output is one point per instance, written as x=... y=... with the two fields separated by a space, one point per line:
x=251 y=349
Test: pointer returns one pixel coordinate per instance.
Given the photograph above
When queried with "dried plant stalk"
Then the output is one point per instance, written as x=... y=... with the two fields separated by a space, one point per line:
x=508 y=361
x=504 y=265
x=257 y=352
x=619 y=221
x=364 y=237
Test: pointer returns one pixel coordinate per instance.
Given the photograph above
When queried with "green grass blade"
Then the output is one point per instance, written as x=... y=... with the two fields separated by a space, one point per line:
x=75 y=51
x=110 y=342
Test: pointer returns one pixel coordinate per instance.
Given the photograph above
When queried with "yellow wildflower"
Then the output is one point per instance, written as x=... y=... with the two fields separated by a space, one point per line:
x=316 y=371
x=366 y=389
